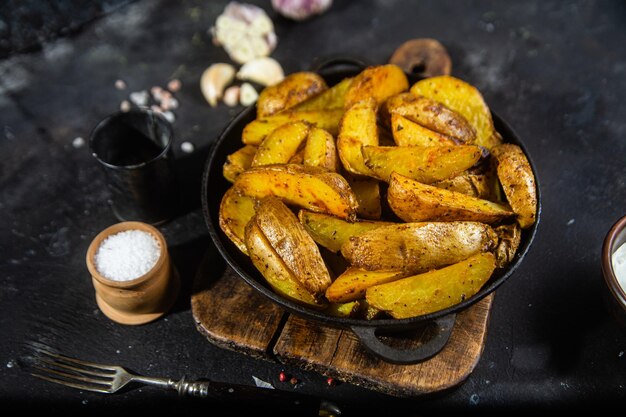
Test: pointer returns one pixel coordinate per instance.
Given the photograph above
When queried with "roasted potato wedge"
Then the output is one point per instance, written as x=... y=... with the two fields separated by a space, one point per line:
x=320 y=150
x=351 y=285
x=356 y=129
x=408 y=133
x=432 y=115
x=518 y=182
x=418 y=247
x=292 y=243
x=238 y=161
x=413 y=201
x=422 y=163
x=312 y=188
x=282 y=144
x=257 y=130
x=236 y=210
x=333 y=98
x=379 y=82
x=434 y=290
x=332 y=232
x=275 y=271
x=293 y=89
x=349 y=309
x=509 y=238
x=463 y=98
x=474 y=185
x=367 y=192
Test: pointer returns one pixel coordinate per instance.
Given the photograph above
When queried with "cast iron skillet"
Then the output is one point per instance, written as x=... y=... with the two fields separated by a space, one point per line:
x=214 y=186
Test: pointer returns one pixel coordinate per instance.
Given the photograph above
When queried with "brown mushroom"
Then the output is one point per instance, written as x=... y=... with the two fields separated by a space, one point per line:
x=423 y=57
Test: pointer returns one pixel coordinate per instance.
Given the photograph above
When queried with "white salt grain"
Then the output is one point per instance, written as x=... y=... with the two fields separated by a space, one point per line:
x=127 y=255
x=78 y=142
x=187 y=147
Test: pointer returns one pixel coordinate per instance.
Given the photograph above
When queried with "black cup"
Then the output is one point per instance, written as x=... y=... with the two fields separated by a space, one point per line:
x=135 y=150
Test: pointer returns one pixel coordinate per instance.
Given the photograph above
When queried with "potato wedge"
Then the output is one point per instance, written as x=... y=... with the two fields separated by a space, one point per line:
x=518 y=182
x=333 y=98
x=408 y=133
x=257 y=130
x=413 y=201
x=418 y=247
x=312 y=188
x=236 y=210
x=292 y=243
x=281 y=144
x=474 y=185
x=332 y=232
x=432 y=115
x=367 y=191
x=349 y=309
x=293 y=89
x=356 y=129
x=238 y=161
x=509 y=238
x=320 y=150
x=351 y=285
x=463 y=98
x=426 y=164
x=379 y=82
x=433 y=290
x=274 y=270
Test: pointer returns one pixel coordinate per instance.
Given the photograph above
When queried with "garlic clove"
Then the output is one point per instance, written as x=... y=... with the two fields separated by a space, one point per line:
x=247 y=94
x=231 y=96
x=214 y=80
x=265 y=71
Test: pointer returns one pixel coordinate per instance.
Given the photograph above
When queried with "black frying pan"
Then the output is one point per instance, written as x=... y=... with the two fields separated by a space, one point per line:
x=214 y=186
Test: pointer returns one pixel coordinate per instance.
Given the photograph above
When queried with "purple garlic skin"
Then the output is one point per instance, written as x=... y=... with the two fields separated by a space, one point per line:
x=300 y=9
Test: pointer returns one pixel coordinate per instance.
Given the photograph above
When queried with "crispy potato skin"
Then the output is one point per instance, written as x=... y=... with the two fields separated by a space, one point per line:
x=332 y=232
x=509 y=238
x=408 y=133
x=292 y=90
x=312 y=188
x=236 y=210
x=518 y=182
x=280 y=146
x=464 y=99
x=418 y=247
x=352 y=284
x=413 y=201
x=367 y=191
x=433 y=290
x=356 y=129
x=432 y=115
x=274 y=270
x=379 y=82
x=238 y=162
x=474 y=185
x=422 y=163
x=333 y=98
x=258 y=129
x=292 y=243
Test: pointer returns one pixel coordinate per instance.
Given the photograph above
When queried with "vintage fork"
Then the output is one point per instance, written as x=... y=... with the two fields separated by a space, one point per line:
x=64 y=370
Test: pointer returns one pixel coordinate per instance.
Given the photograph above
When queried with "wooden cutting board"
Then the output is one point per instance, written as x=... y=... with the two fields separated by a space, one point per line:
x=234 y=316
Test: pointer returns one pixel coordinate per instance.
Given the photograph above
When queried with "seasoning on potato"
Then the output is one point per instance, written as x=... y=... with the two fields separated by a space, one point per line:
x=401 y=210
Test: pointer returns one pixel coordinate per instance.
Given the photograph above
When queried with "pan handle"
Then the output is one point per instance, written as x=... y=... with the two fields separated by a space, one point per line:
x=367 y=336
x=320 y=64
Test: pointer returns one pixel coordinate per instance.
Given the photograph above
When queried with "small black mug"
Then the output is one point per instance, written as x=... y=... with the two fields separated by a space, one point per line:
x=135 y=150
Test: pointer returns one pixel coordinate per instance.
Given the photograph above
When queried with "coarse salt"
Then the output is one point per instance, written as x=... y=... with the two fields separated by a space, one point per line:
x=619 y=265
x=127 y=255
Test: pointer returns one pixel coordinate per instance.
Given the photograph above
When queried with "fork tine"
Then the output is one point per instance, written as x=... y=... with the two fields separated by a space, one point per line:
x=71 y=384
x=72 y=376
x=76 y=361
x=81 y=371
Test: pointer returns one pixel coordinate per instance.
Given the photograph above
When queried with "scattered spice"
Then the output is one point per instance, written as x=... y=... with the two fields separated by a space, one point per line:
x=282 y=377
x=120 y=85
x=331 y=382
x=174 y=85
x=127 y=255
x=293 y=381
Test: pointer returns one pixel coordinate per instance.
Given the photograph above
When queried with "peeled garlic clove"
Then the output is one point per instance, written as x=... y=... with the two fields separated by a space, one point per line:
x=214 y=80
x=247 y=94
x=231 y=96
x=265 y=71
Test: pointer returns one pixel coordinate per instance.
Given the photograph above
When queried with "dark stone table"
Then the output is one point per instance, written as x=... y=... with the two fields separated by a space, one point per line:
x=554 y=70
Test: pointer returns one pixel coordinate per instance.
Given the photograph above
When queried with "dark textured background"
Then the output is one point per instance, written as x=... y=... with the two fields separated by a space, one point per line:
x=554 y=70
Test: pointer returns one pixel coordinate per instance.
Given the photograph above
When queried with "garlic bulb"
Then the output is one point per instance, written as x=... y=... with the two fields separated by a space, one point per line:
x=300 y=9
x=245 y=31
